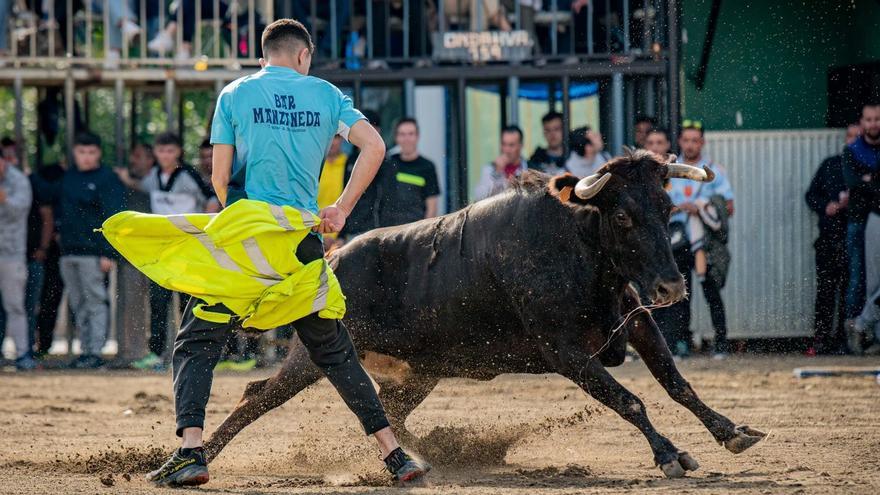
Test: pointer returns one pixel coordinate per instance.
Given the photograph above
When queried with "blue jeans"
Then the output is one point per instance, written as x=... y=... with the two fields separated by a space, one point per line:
x=855 y=249
x=33 y=291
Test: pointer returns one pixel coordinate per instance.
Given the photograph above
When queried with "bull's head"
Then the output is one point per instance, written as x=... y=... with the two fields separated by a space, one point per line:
x=634 y=212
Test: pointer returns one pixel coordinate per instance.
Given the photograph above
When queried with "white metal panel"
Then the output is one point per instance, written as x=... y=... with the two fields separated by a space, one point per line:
x=771 y=287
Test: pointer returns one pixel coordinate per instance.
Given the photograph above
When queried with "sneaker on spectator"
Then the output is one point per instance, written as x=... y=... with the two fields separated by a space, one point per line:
x=87 y=362
x=25 y=363
x=224 y=365
x=111 y=60
x=183 y=56
x=130 y=30
x=873 y=349
x=853 y=336
x=161 y=44
x=720 y=356
x=150 y=362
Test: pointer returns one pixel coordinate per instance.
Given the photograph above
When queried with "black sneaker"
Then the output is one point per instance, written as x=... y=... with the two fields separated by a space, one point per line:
x=405 y=468
x=187 y=467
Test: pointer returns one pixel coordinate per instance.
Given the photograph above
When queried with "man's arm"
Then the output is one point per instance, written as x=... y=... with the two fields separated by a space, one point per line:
x=222 y=168
x=372 y=152
x=431 y=207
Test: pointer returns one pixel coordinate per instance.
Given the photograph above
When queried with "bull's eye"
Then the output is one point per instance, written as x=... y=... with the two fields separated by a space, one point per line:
x=622 y=219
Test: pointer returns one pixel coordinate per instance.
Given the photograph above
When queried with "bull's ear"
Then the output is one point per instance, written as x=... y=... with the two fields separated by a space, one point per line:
x=562 y=187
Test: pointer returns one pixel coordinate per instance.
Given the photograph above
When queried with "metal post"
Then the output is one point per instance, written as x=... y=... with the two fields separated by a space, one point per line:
x=441 y=16
x=105 y=15
x=197 y=42
x=169 y=104
x=406 y=19
x=554 y=27
x=566 y=109
x=358 y=93
x=370 y=29
x=252 y=27
x=630 y=105
x=649 y=97
x=513 y=93
x=458 y=184
x=215 y=25
x=160 y=4
x=234 y=14
x=142 y=22
x=19 y=116
x=409 y=97
x=626 y=25
x=180 y=25
x=517 y=12
x=69 y=119
x=120 y=122
x=334 y=35
x=479 y=16
x=590 y=28
x=617 y=127
x=386 y=17
x=673 y=100
x=132 y=118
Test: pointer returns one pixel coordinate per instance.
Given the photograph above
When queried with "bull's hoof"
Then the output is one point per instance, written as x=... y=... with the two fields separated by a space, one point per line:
x=745 y=437
x=679 y=467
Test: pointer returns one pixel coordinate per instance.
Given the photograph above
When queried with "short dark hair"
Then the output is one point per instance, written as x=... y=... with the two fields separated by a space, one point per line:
x=660 y=130
x=168 y=138
x=206 y=143
x=644 y=118
x=141 y=144
x=86 y=138
x=284 y=34
x=550 y=116
x=512 y=129
x=870 y=104
x=406 y=120
x=7 y=141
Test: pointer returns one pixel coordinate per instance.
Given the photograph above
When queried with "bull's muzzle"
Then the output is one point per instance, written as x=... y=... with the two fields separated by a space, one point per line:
x=666 y=292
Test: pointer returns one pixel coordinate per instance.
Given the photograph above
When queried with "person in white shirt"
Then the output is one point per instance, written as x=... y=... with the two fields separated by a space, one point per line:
x=510 y=163
x=587 y=155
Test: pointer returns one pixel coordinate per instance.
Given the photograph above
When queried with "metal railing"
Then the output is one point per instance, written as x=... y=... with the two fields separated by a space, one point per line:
x=348 y=33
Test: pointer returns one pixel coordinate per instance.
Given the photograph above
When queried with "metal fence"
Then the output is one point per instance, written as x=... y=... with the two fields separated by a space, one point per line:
x=349 y=33
x=771 y=287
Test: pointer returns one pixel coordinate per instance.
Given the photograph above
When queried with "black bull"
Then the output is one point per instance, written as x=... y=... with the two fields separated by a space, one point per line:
x=537 y=280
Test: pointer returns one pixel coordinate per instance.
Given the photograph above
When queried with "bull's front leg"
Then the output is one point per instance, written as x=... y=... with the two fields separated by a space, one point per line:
x=260 y=397
x=647 y=340
x=588 y=373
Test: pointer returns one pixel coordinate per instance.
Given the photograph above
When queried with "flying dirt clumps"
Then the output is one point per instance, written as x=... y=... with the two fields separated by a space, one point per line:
x=457 y=446
x=128 y=460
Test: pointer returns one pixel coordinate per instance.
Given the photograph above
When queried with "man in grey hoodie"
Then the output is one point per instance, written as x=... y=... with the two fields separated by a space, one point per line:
x=15 y=203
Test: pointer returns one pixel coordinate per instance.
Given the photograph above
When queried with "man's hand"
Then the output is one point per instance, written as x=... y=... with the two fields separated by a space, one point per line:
x=2 y=196
x=832 y=209
x=843 y=199
x=688 y=207
x=107 y=264
x=500 y=164
x=332 y=220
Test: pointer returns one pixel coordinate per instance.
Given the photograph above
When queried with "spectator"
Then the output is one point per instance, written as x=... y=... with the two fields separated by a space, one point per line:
x=861 y=164
x=15 y=202
x=509 y=164
x=692 y=199
x=675 y=320
x=410 y=189
x=90 y=194
x=828 y=198
x=641 y=128
x=165 y=40
x=206 y=166
x=483 y=14
x=41 y=230
x=552 y=159
x=332 y=180
x=586 y=155
x=174 y=189
x=120 y=13
x=49 y=178
x=364 y=217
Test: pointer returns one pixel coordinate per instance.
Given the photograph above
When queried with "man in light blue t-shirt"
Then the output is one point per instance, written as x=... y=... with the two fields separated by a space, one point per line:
x=270 y=133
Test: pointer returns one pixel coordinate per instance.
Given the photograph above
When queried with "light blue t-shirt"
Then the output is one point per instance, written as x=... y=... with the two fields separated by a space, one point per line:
x=281 y=124
x=687 y=191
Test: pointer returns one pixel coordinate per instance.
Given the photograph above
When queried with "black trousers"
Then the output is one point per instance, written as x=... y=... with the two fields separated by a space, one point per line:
x=832 y=278
x=712 y=293
x=199 y=345
x=675 y=321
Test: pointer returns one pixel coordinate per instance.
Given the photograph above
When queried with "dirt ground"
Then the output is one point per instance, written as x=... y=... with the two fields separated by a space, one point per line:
x=65 y=432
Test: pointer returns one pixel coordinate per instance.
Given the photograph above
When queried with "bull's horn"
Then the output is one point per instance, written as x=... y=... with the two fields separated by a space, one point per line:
x=682 y=171
x=590 y=186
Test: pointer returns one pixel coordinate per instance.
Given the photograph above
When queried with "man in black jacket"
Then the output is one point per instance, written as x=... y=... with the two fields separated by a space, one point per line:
x=828 y=198
x=90 y=194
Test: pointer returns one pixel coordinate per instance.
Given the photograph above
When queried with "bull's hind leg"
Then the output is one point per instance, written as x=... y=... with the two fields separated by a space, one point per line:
x=401 y=397
x=297 y=373
x=647 y=340
x=588 y=373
